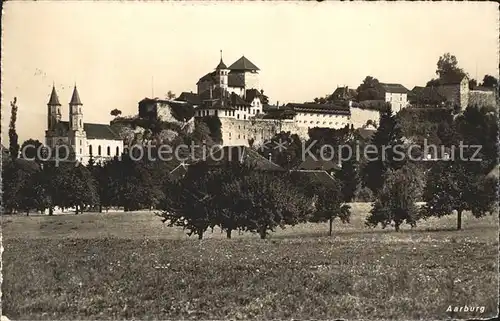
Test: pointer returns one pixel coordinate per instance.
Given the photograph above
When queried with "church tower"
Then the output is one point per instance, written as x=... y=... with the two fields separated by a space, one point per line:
x=54 y=110
x=221 y=74
x=77 y=133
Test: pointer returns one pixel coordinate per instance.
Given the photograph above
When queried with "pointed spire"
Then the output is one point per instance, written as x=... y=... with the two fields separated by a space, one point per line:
x=54 y=100
x=75 y=98
x=221 y=64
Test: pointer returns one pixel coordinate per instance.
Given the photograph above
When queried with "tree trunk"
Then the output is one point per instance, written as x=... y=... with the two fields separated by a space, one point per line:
x=396 y=225
x=100 y=208
x=27 y=212
x=81 y=208
x=330 y=231
x=459 y=220
x=200 y=234
x=51 y=211
x=262 y=233
x=228 y=233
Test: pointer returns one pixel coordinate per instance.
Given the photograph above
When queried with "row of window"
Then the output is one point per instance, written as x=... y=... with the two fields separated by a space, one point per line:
x=322 y=115
x=311 y=122
x=99 y=152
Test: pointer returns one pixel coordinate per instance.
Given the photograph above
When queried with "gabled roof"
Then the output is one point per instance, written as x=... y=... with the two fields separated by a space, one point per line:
x=317 y=164
x=251 y=94
x=393 y=88
x=427 y=96
x=452 y=80
x=320 y=108
x=243 y=64
x=343 y=93
x=93 y=131
x=235 y=79
x=244 y=155
x=208 y=77
x=75 y=98
x=189 y=97
x=54 y=100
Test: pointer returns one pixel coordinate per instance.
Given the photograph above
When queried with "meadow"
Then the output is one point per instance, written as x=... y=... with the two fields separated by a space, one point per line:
x=131 y=266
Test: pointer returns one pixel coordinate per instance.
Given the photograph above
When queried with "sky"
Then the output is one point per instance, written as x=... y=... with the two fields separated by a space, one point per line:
x=121 y=52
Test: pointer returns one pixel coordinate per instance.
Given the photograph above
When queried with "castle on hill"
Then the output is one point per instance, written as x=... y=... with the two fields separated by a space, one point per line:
x=84 y=139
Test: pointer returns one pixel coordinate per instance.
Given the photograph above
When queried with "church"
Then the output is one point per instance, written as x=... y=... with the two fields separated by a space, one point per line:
x=84 y=139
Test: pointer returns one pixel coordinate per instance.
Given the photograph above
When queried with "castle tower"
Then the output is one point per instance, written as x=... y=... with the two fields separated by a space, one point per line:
x=54 y=110
x=77 y=133
x=221 y=74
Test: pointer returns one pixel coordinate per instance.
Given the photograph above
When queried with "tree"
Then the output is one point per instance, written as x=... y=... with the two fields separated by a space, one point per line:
x=285 y=149
x=13 y=138
x=16 y=179
x=385 y=142
x=452 y=187
x=447 y=68
x=269 y=201
x=476 y=127
x=369 y=89
x=31 y=149
x=395 y=203
x=171 y=95
x=328 y=198
x=489 y=81
x=188 y=200
x=348 y=175
x=115 y=112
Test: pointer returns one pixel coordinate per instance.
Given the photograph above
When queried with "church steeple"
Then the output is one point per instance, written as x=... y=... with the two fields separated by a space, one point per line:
x=54 y=109
x=54 y=99
x=75 y=112
x=75 y=98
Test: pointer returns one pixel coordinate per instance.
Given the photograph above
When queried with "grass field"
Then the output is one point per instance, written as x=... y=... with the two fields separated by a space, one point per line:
x=131 y=266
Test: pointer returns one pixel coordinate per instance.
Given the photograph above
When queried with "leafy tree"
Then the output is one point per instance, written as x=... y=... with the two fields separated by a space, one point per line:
x=13 y=138
x=348 y=175
x=269 y=201
x=188 y=202
x=34 y=194
x=16 y=178
x=319 y=137
x=77 y=187
x=447 y=68
x=225 y=202
x=115 y=112
x=214 y=125
x=476 y=127
x=385 y=143
x=30 y=150
x=489 y=81
x=171 y=95
x=285 y=149
x=451 y=186
x=395 y=203
x=369 y=89
x=328 y=199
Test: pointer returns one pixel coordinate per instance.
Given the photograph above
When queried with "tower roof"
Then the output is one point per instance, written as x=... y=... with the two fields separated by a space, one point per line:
x=75 y=98
x=54 y=100
x=243 y=64
x=221 y=65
